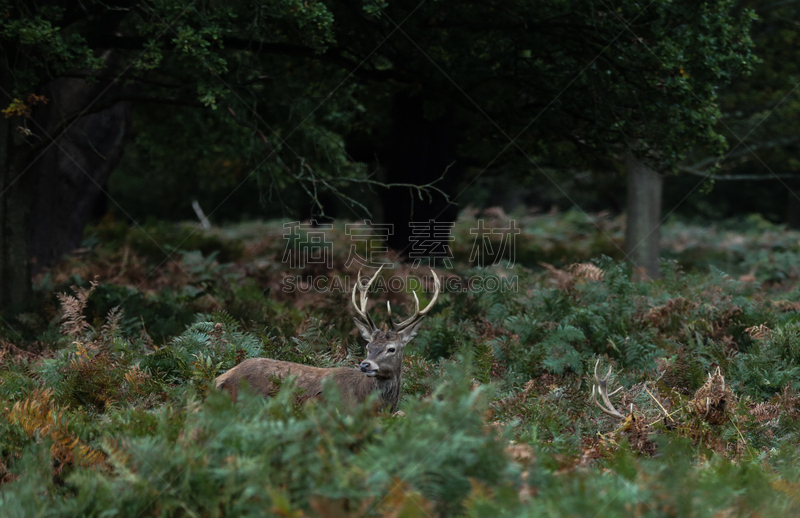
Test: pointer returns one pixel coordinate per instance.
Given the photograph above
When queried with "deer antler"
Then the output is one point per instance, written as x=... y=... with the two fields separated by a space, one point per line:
x=417 y=313
x=362 y=311
x=602 y=388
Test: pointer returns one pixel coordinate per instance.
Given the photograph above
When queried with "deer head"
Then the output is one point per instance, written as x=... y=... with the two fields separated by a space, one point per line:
x=385 y=348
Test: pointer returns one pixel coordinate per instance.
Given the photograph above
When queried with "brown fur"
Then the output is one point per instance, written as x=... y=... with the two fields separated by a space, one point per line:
x=264 y=375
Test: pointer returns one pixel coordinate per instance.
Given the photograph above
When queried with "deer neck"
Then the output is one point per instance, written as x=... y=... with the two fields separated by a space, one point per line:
x=389 y=389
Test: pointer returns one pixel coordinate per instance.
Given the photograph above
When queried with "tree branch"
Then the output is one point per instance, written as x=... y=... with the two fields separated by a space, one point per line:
x=742 y=177
x=697 y=167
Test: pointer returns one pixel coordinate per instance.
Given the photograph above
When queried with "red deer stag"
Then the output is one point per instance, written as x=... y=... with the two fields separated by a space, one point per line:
x=380 y=372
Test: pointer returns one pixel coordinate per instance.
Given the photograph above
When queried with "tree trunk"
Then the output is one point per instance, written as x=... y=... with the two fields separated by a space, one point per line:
x=643 y=225
x=48 y=195
x=16 y=193
x=418 y=151
x=73 y=173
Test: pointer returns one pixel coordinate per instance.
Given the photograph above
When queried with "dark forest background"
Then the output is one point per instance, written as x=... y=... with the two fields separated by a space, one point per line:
x=326 y=109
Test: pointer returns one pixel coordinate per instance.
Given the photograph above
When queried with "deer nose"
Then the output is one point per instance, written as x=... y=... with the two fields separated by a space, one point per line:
x=369 y=367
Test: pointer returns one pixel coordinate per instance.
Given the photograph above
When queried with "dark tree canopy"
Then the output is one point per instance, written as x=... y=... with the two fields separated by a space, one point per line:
x=303 y=86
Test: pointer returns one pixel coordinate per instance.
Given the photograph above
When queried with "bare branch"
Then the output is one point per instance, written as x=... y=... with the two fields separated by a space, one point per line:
x=698 y=168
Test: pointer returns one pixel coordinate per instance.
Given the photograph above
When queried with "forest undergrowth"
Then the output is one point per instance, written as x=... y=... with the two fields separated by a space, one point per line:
x=108 y=407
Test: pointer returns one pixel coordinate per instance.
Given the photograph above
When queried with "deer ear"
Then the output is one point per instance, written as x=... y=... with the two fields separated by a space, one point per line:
x=366 y=331
x=410 y=332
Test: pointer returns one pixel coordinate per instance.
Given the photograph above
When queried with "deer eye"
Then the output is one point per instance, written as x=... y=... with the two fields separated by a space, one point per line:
x=391 y=349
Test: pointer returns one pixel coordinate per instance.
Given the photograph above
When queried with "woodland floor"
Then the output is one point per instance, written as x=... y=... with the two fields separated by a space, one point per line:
x=108 y=410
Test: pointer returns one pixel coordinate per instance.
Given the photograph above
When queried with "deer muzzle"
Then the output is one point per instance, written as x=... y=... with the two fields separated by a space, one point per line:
x=369 y=367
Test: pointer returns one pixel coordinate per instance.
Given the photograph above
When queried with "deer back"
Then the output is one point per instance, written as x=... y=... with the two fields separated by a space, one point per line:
x=265 y=376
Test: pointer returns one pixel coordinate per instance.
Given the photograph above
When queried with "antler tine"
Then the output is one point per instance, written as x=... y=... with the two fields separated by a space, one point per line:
x=362 y=311
x=417 y=313
x=365 y=296
x=355 y=290
x=353 y=297
x=437 y=288
x=406 y=322
x=602 y=389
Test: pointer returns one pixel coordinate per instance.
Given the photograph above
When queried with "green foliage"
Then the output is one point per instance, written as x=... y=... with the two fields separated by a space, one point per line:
x=165 y=363
x=221 y=343
x=498 y=415
x=163 y=314
x=560 y=354
x=48 y=49
x=772 y=363
x=761 y=106
x=441 y=338
x=238 y=458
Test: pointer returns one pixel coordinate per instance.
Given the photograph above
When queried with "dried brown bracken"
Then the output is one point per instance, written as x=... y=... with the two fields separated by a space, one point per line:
x=73 y=322
x=565 y=279
x=586 y=271
x=765 y=412
x=787 y=305
x=714 y=401
x=661 y=316
x=40 y=417
x=759 y=332
x=562 y=279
